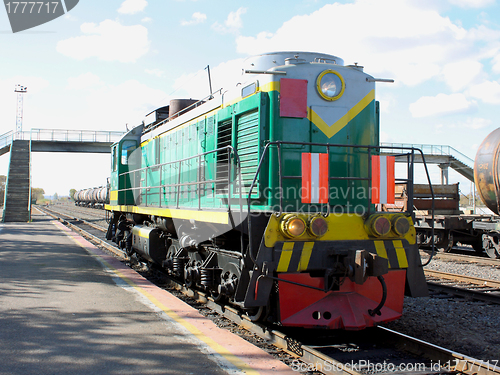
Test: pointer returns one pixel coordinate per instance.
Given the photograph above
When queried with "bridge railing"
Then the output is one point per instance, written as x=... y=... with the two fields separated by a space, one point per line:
x=436 y=150
x=61 y=135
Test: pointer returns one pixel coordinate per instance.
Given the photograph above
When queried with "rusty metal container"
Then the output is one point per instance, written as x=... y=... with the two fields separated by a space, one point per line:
x=487 y=172
x=177 y=105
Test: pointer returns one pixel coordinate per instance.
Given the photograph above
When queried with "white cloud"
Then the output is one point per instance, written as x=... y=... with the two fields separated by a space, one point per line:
x=195 y=19
x=458 y=75
x=132 y=6
x=488 y=92
x=108 y=41
x=386 y=36
x=496 y=63
x=440 y=105
x=387 y=101
x=147 y=20
x=232 y=23
x=472 y=3
x=127 y=102
x=156 y=72
x=84 y=81
x=477 y=123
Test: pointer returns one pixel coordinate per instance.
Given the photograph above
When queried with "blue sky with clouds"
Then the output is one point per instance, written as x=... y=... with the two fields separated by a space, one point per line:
x=107 y=63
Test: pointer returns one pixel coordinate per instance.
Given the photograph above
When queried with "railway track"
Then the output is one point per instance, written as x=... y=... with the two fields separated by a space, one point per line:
x=377 y=350
x=482 y=260
x=469 y=287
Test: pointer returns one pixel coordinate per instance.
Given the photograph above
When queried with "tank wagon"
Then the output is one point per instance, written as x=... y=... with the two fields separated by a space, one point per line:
x=268 y=195
x=92 y=197
x=482 y=232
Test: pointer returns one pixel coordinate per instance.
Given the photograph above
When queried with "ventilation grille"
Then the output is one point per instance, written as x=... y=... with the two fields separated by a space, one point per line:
x=224 y=138
x=248 y=149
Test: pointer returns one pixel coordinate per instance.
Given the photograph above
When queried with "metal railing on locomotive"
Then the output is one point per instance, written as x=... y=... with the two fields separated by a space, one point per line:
x=232 y=169
x=370 y=150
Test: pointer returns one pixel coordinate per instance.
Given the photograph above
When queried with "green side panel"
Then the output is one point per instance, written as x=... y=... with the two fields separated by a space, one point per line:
x=169 y=181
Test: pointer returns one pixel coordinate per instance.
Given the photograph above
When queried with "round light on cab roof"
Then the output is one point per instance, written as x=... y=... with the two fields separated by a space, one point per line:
x=330 y=85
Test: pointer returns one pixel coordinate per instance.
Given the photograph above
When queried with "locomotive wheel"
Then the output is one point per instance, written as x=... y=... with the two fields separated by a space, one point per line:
x=188 y=279
x=491 y=246
x=216 y=296
x=492 y=252
x=446 y=243
x=256 y=314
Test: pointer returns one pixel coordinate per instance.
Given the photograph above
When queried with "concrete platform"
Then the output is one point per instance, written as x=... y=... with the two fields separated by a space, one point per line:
x=68 y=308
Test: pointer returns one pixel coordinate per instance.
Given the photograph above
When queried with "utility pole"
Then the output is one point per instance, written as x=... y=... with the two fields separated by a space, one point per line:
x=19 y=114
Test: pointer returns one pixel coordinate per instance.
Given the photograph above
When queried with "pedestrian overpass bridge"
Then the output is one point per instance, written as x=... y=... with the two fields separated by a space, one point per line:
x=59 y=140
x=17 y=202
x=17 y=198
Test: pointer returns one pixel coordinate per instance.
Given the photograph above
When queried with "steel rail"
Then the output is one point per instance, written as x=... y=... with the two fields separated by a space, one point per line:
x=477 y=289
x=462 y=278
x=463 y=257
x=95 y=226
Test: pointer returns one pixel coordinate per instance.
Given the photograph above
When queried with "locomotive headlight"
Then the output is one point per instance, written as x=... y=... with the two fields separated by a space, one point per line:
x=318 y=226
x=293 y=226
x=378 y=225
x=330 y=85
x=400 y=225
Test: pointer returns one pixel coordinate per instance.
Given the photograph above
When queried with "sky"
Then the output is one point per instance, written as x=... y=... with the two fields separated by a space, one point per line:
x=106 y=64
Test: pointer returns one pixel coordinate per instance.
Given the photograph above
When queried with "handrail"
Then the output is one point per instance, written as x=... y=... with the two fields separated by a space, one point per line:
x=409 y=180
x=61 y=135
x=435 y=150
x=160 y=167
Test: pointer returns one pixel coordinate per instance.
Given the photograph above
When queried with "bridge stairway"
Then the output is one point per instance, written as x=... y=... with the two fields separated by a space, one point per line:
x=17 y=194
x=464 y=169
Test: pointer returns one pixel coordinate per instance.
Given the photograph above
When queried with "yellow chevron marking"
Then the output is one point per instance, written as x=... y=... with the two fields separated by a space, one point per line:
x=305 y=256
x=381 y=251
x=286 y=255
x=331 y=130
x=401 y=254
x=270 y=86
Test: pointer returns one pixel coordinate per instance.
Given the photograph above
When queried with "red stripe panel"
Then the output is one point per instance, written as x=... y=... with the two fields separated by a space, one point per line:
x=391 y=179
x=293 y=97
x=375 y=179
x=306 y=178
x=323 y=178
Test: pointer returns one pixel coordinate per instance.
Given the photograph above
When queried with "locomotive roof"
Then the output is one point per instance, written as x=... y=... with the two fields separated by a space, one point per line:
x=270 y=60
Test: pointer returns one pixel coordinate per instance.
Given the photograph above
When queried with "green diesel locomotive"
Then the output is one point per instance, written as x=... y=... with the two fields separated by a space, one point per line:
x=274 y=195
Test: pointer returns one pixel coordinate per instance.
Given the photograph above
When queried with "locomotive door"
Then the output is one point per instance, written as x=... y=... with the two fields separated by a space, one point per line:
x=329 y=127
